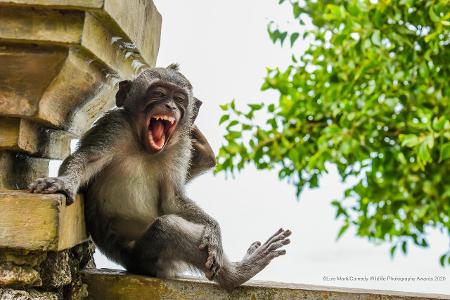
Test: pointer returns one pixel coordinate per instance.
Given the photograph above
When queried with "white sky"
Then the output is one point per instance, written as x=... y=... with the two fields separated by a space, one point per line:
x=223 y=48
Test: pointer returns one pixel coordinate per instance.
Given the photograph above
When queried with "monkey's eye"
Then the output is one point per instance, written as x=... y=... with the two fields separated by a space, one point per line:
x=178 y=98
x=159 y=94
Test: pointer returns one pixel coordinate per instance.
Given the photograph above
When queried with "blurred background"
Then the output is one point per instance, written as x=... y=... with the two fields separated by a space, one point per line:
x=224 y=48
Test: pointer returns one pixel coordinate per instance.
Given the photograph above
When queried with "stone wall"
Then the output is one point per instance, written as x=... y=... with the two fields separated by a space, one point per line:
x=60 y=63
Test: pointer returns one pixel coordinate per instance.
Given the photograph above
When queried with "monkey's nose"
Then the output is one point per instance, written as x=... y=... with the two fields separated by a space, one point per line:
x=170 y=106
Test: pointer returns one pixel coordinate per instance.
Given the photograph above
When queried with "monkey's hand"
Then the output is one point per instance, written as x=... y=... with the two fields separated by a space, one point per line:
x=212 y=242
x=52 y=185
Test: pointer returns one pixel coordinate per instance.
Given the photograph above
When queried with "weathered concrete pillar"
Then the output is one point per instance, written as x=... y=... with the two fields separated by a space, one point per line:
x=60 y=61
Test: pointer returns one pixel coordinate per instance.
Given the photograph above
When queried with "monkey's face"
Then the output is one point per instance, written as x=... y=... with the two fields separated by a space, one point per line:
x=161 y=106
x=163 y=110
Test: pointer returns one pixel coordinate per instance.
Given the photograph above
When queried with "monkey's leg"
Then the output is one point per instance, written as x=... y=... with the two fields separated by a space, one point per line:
x=171 y=238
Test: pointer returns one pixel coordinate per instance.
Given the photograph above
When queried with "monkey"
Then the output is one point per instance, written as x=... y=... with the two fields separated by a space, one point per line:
x=202 y=156
x=132 y=166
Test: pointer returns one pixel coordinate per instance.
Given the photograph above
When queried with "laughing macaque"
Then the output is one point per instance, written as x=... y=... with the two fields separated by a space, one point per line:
x=132 y=167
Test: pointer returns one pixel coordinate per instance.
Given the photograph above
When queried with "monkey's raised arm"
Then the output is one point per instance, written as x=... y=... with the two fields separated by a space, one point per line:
x=76 y=170
x=203 y=157
x=93 y=153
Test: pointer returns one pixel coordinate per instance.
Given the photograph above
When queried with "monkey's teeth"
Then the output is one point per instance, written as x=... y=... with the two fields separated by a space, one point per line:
x=166 y=118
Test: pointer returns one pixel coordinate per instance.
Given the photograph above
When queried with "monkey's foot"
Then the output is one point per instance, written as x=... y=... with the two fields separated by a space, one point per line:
x=259 y=256
x=51 y=185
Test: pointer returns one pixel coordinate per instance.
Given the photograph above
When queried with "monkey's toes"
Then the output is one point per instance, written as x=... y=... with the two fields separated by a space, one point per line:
x=253 y=247
x=276 y=241
x=264 y=254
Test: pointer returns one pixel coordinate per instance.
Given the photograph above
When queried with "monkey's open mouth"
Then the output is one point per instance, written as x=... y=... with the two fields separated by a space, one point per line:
x=160 y=130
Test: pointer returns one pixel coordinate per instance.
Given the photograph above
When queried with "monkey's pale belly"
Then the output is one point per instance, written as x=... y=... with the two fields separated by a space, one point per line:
x=129 y=196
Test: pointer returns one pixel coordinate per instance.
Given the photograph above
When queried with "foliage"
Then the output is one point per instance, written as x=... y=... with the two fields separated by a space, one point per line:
x=370 y=95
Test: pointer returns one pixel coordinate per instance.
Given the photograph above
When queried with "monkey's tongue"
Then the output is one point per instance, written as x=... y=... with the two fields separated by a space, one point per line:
x=157 y=132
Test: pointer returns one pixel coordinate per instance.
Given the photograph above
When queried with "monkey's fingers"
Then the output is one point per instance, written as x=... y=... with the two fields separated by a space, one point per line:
x=32 y=186
x=69 y=199
x=209 y=274
x=41 y=185
x=210 y=260
x=215 y=268
x=52 y=189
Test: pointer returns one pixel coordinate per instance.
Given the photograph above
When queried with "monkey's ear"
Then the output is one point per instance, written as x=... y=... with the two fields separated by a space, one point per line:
x=124 y=88
x=174 y=66
x=197 y=104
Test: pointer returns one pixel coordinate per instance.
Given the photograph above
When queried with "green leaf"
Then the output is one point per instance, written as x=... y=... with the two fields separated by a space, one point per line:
x=256 y=106
x=296 y=10
x=282 y=37
x=233 y=105
x=432 y=15
x=392 y=250
x=232 y=123
x=223 y=119
x=409 y=140
x=424 y=243
x=294 y=36
x=423 y=154
x=376 y=39
x=445 y=151
x=342 y=231
x=439 y=123
x=442 y=259
x=404 y=247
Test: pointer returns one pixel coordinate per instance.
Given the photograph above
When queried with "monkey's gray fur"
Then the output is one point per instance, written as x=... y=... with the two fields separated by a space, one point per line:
x=136 y=208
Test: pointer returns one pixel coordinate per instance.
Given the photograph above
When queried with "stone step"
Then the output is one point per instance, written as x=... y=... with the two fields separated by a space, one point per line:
x=119 y=285
x=40 y=222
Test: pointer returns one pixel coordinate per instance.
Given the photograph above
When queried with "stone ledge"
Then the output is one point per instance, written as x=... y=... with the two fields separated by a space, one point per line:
x=78 y=4
x=111 y=284
x=40 y=222
x=26 y=136
x=141 y=24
